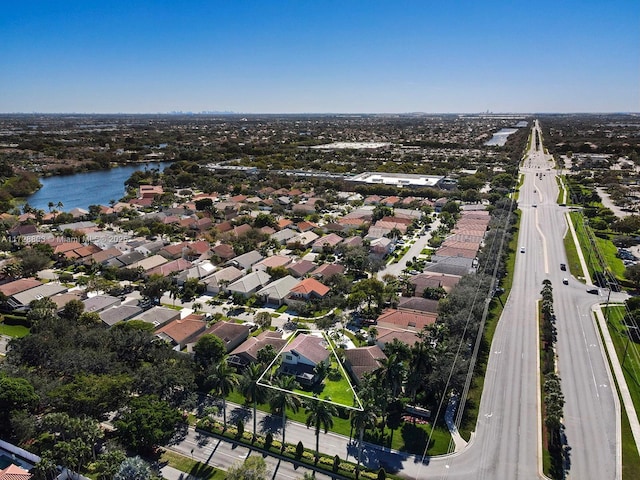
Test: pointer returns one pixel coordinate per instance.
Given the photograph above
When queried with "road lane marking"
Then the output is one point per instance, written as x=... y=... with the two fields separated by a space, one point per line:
x=544 y=245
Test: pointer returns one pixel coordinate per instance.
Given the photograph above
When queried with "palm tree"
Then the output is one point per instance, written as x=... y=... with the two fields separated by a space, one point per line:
x=223 y=379
x=361 y=420
x=320 y=414
x=284 y=398
x=251 y=390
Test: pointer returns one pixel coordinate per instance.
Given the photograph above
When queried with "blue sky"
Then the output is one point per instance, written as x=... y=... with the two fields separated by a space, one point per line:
x=297 y=56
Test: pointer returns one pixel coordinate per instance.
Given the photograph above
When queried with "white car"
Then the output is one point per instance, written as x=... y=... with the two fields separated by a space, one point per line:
x=521 y=249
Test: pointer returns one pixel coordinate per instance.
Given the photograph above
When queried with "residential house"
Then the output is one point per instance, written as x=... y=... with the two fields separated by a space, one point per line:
x=120 y=313
x=14 y=472
x=231 y=334
x=246 y=260
x=275 y=292
x=220 y=279
x=304 y=239
x=388 y=335
x=98 y=303
x=247 y=353
x=309 y=289
x=272 y=262
x=21 y=300
x=300 y=357
x=406 y=319
x=418 y=304
x=149 y=263
x=381 y=247
x=328 y=242
x=433 y=280
x=171 y=267
x=18 y=286
x=363 y=360
x=198 y=271
x=327 y=269
x=301 y=268
x=182 y=331
x=224 y=252
x=249 y=284
x=158 y=316
x=284 y=235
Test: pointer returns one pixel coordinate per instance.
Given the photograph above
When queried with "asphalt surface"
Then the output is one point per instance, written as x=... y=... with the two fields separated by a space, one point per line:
x=507 y=441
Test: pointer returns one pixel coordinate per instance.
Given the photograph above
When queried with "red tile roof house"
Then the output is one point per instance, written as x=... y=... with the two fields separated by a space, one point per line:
x=388 y=335
x=301 y=268
x=307 y=290
x=272 y=262
x=327 y=269
x=406 y=320
x=361 y=361
x=247 y=353
x=179 y=333
x=150 y=191
x=14 y=472
x=224 y=251
x=300 y=357
x=170 y=267
x=328 y=242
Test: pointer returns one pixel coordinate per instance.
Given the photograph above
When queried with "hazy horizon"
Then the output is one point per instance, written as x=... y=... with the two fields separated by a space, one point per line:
x=330 y=57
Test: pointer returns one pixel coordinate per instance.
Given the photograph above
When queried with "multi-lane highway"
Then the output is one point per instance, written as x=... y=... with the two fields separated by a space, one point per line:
x=507 y=442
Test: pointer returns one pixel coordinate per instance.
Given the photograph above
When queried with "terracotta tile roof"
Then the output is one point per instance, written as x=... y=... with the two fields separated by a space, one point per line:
x=19 y=285
x=180 y=331
x=14 y=472
x=253 y=345
x=406 y=319
x=310 y=286
x=301 y=268
x=388 y=335
x=327 y=269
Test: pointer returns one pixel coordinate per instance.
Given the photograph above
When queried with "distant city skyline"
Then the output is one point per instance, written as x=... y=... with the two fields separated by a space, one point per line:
x=327 y=56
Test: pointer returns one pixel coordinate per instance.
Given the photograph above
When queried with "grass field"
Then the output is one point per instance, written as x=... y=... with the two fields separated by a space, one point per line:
x=14 y=331
x=629 y=355
x=193 y=468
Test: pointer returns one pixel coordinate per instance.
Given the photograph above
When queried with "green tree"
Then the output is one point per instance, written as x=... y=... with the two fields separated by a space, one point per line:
x=253 y=392
x=262 y=319
x=360 y=421
x=15 y=394
x=223 y=379
x=253 y=468
x=133 y=468
x=632 y=273
x=284 y=398
x=147 y=422
x=320 y=414
x=73 y=309
x=155 y=286
x=109 y=462
x=209 y=350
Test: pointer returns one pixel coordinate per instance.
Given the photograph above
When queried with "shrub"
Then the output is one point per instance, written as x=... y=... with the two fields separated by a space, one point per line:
x=382 y=475
x=268 y=441
x=299 y=449
x=336 y=463
x=240 y=427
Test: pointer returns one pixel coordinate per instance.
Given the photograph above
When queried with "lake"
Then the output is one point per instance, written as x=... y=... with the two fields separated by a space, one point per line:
x=500 y=138
x=83 y=189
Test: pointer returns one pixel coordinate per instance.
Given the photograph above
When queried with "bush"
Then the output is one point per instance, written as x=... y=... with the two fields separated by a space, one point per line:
x=336 y=463
x=240 y=427
x=382 y=475
x=268 y=441
x=299 y=449
x=65 y=277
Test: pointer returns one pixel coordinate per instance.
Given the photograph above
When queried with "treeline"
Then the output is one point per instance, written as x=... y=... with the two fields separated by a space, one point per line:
x=553 y=399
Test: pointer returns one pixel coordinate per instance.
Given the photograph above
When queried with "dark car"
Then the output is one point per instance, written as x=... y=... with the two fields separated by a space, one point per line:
x=565 y=281
x=563 y=267
x=594 y=291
